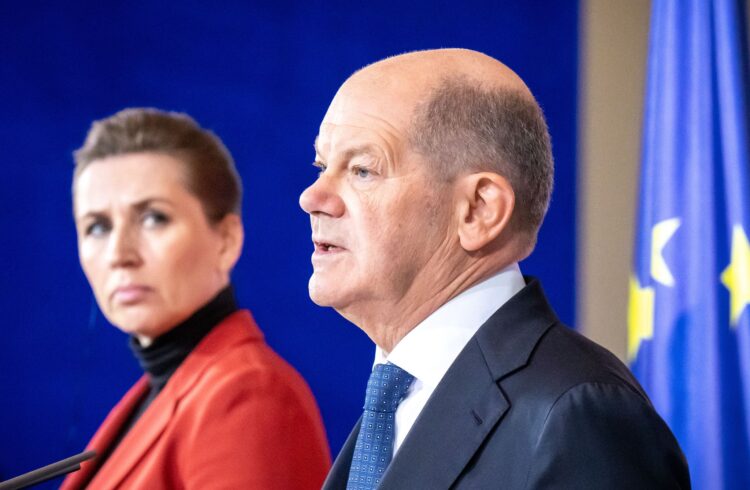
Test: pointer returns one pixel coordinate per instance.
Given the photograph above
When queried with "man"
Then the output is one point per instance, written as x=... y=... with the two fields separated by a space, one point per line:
x=435 y=175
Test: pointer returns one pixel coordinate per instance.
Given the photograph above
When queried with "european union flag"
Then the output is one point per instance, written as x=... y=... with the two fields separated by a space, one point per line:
x=689 y=319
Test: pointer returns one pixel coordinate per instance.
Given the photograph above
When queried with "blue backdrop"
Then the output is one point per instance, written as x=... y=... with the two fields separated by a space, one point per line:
x=260 y=74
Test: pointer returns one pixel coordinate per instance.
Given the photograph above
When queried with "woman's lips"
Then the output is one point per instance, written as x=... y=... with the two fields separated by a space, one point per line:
x=128 y=295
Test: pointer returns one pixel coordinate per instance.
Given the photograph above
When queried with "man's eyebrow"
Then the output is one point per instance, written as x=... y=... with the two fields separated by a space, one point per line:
x=361 y=150
x=350 y=153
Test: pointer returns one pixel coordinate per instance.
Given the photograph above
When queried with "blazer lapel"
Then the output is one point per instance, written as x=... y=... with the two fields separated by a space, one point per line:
x=469 y=403
x=106 y=434
x=339 y=473
x=238 y=327
x=137 y=441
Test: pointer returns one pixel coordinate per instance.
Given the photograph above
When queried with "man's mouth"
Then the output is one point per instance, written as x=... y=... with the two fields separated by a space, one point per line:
x=326 y=247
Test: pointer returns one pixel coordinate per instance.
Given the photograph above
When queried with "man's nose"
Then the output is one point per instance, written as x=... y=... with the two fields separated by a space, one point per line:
x=122 y=249
x=322 y=197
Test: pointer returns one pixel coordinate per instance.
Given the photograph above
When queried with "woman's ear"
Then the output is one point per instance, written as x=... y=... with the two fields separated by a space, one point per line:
x=232 y=235
x=486 y=202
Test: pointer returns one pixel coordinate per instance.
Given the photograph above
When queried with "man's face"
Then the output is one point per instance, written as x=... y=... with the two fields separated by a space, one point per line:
x=380 y=220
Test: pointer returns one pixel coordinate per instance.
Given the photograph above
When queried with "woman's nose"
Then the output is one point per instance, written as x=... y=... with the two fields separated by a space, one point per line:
x=123 y=248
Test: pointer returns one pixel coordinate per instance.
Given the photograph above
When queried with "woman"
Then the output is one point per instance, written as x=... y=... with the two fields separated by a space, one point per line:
x=157 y=210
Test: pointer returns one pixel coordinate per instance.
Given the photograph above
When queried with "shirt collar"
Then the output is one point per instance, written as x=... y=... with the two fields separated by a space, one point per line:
x=429 y=349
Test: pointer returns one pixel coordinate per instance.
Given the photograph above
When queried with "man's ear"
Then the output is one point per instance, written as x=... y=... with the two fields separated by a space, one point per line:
x=232 y=236
x=486 y=202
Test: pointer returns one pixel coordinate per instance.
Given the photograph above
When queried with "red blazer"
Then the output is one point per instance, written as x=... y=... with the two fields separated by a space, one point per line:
x=233 y=416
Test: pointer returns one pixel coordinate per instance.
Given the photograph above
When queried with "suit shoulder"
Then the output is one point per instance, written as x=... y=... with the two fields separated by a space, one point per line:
x=616 y=436
x=563 y=359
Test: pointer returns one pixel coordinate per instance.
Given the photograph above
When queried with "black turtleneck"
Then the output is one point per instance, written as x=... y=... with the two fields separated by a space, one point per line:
x=165 y=354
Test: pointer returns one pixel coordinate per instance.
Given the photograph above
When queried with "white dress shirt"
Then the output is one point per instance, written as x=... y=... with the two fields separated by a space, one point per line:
x=431 y=347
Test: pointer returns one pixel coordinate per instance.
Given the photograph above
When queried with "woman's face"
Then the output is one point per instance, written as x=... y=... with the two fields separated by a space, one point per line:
x=145 y=244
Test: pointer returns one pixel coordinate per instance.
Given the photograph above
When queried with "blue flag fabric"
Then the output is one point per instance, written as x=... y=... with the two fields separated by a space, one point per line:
x=689 y=318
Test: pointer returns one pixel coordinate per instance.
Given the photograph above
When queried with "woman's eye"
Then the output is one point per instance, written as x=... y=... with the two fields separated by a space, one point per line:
x=97 y=228
x=155 y=218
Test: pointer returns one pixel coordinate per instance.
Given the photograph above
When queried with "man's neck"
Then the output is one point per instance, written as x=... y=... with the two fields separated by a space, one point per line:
x=387 y=322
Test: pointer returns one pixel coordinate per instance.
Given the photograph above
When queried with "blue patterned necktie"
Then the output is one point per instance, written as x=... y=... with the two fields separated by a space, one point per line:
x=373 y=451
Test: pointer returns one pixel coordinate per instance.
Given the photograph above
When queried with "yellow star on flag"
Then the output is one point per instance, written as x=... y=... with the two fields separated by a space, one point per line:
x=640 y=316
x=736 y=277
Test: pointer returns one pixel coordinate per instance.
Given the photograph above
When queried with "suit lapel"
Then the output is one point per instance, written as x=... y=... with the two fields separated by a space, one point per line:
x=339 y=473
x=450 y=428
x=469 y=403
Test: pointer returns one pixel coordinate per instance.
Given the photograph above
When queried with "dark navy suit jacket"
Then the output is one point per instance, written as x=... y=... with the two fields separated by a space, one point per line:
x=529 y=403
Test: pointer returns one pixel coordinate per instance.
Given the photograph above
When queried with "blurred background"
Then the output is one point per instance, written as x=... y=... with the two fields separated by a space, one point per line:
x=261 y=75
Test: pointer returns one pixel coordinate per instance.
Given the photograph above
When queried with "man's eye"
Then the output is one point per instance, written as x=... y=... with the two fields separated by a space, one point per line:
x=320 y=166
x=155 y=218
x=361 y=172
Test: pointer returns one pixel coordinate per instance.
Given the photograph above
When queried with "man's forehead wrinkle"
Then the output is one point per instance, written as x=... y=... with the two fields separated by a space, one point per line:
x=381 y=123
x=353 y=149
x=374 y=111
x=334 y=132
x=338 y=143
x=382 y=120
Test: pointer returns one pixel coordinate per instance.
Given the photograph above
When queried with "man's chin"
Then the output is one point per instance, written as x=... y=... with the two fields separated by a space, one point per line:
x=320 y=298
x=323 y=294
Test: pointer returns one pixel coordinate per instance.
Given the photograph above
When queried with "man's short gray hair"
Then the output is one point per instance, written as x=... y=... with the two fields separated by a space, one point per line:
x=464 y=127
